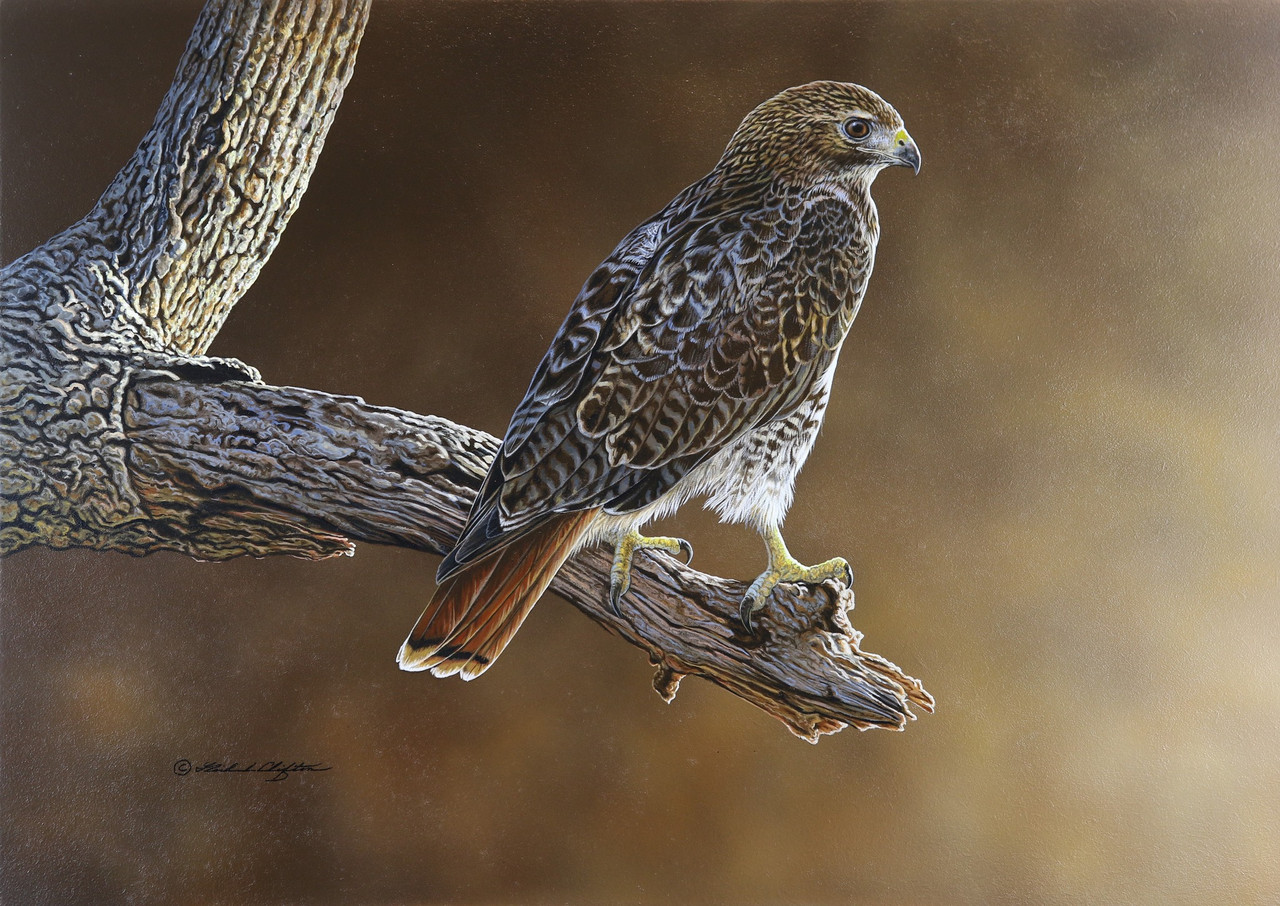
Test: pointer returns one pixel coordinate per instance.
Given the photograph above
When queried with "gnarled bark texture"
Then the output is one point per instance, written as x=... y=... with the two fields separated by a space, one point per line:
x=117 y=433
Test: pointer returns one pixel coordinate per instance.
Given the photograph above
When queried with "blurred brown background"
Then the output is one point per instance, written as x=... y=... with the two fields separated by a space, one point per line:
x=1053 y=458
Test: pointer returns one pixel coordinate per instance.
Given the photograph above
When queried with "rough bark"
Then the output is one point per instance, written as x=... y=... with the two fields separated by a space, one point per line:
x=142 y=283
x=246 y=468
x=117 y=433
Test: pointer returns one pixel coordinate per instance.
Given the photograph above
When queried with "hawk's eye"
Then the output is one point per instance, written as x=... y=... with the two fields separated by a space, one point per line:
x=856 y=128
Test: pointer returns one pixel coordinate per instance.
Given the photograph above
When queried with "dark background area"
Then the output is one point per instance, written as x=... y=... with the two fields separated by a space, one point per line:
x=1052 y=457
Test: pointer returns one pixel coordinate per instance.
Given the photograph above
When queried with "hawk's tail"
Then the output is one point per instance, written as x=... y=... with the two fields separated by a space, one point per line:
x=475 y=612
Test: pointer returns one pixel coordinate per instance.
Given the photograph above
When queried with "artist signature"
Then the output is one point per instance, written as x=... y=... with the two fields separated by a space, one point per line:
x=274 y=770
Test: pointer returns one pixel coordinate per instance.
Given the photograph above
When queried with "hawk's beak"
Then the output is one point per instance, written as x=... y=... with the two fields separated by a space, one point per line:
x=905 y=152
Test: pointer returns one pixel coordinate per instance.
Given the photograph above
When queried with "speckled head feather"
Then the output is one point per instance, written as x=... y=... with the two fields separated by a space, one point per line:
x=799 y=134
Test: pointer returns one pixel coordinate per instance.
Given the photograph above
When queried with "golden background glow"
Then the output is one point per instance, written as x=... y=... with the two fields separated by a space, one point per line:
x=1052 y=457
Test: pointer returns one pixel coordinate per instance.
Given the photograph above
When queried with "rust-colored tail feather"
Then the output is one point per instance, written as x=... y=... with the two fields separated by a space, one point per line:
x=476 y=611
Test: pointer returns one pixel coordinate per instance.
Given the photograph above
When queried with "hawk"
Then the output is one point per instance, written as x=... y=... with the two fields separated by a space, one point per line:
x=696 y=362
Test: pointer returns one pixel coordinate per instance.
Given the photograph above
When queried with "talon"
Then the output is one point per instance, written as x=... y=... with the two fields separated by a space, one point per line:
x=624 y=551
x=755 y=597
x=616 y=590
x=785 y=568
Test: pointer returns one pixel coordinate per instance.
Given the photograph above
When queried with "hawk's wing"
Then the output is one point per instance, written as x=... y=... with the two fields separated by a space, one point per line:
x=700 y=327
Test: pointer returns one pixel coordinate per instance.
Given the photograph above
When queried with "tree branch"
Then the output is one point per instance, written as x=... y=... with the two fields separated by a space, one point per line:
x=194 y=215
x=234 y=468
x=116 y=433
x=142 y=284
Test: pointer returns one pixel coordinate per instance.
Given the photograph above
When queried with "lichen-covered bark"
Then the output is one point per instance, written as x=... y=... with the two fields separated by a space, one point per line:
x=117 y=433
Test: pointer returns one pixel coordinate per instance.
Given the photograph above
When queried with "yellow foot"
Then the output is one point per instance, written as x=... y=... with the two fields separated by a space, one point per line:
x=785 y=568
x=628 y=544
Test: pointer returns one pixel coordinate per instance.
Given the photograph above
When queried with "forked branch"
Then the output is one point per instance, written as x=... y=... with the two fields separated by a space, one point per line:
x=116 y=432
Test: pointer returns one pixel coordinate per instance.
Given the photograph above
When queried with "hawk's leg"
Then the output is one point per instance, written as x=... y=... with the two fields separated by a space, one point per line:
x=628 y=544
x=785 y=568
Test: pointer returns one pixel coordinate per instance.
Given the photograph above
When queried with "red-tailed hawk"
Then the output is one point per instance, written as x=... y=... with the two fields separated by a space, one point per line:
x=696 y=361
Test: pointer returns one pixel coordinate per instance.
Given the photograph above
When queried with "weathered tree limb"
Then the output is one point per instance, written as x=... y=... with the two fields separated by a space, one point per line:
x=248 y=468
x=198 y=209
x=143 y=282
x=116 y=432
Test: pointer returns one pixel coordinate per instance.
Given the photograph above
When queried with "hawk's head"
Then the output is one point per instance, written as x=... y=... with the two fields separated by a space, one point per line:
x=822 y=130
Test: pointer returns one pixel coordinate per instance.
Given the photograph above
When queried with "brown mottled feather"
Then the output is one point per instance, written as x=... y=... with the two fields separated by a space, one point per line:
x=711 y=329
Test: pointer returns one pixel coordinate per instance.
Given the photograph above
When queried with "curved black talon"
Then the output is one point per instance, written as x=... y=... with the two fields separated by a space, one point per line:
x=848 y=576
x=744 y=614
x=687 y=549
x=616 y=591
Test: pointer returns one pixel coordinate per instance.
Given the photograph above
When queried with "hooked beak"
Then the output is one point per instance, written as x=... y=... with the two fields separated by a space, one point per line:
x=905 y=153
